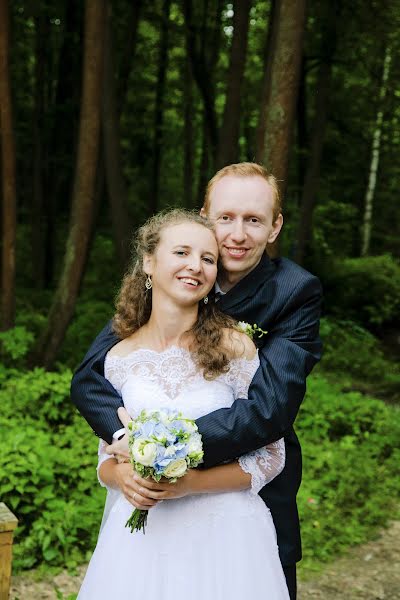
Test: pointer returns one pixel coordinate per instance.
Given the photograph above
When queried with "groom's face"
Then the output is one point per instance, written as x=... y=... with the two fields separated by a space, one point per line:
x=242 y=210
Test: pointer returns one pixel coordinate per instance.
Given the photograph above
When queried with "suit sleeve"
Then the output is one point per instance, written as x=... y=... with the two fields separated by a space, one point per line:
x=291 y=350
x=94 y=396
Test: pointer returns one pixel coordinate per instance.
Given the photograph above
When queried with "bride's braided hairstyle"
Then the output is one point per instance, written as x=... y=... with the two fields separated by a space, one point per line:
x=133 y=306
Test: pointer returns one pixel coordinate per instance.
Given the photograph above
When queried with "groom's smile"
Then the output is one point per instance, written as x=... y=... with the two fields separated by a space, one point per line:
x=242 y=209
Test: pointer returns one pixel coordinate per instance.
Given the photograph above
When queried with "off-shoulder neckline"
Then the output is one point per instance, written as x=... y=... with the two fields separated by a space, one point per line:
x=173 y=349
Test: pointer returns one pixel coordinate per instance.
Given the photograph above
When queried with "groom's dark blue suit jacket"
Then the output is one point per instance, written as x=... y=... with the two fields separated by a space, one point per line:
x=285 y=300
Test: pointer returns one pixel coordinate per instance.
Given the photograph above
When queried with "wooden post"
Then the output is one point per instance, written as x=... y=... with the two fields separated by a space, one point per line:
x=8 y=523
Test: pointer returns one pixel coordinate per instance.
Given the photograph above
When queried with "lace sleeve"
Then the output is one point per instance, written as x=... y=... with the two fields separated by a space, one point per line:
x=103 y=456
x=265 y=463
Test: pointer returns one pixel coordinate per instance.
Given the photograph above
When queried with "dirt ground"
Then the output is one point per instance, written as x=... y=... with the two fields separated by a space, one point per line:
x=368 y=572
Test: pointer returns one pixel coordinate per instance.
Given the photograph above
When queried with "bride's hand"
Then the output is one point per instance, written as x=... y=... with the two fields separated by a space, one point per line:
x=164 y=490
x=130 y=488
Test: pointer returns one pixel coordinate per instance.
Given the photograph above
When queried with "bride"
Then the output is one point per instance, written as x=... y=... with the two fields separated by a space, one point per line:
x=209 y=535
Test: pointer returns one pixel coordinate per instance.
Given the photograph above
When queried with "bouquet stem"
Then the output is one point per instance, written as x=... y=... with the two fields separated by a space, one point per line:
x=137 y=521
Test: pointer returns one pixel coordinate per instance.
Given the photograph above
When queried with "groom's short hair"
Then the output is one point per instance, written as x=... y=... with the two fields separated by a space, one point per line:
x=246 y=169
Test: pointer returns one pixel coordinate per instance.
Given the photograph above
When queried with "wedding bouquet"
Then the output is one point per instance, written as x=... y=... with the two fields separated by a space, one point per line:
x=162 y=443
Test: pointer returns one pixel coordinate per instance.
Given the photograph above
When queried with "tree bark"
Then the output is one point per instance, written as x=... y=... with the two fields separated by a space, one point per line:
x=266 y=82
x=128 y=56
x=322 y=95
x=203 y=74
x=77 y=244
x=9 y=194
x=376 y=146
x=188 y=145
x=279 y=108
x=63 y=139
x=38 y=217
x=302 y=130
x=159 y=107
x=229 y=133
x=116 y=188
x=311 y=180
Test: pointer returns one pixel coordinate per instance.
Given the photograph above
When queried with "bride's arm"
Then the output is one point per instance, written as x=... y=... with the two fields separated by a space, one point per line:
x=253 y=470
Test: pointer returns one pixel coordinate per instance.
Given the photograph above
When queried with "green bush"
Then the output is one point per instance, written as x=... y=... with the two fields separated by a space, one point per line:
x=47 y=469
x=351 y=350
x=351 y=452
x=89 y=319
x=365 y=290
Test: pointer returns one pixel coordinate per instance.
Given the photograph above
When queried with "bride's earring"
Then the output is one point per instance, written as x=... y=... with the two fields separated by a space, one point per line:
x=205 y=300
x=149 y=284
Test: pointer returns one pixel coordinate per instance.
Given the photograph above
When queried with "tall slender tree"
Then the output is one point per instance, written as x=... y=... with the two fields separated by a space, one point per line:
x=77 y=244
x=376 y=146
x=116 y=187
x=188 y=143
x=39 y=166
x=202 y=71
x=229 y=133
x=322 y=97
x=270 y=43
x=9 y=194
x=279 y=107
x=159 y=106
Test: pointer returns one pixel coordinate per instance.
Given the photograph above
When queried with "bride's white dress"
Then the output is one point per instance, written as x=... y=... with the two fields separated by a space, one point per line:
x=205 y=547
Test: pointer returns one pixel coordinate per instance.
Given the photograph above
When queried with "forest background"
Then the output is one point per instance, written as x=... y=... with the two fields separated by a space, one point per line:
x=110 y=112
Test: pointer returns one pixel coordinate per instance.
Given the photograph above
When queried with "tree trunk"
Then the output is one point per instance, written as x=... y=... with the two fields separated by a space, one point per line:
x=188 y=145
x=229 y=133
x=129 y=52
x=376 y=146
x=302 y=130
x=204 y=165
x=279 y=108
x=311 y=180
x=322 y=93
x=63 y=139
x=117 y=192
x=9 y=195
x=159 y=107
x=76 y=251
x=203 y=73
x=38 y=218
x=266 y=82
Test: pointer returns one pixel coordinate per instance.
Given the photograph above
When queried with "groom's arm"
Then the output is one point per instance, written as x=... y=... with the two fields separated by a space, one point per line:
x=291 y=350
x=93 y=395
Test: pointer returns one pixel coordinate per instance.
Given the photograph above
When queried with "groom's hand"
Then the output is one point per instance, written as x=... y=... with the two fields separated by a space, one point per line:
x=120 y=448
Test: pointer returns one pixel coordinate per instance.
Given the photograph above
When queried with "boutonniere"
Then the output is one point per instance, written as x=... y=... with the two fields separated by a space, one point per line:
x=251 y=330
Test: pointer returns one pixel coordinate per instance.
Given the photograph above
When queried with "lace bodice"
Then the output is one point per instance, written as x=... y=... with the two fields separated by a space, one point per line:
x=147 y=379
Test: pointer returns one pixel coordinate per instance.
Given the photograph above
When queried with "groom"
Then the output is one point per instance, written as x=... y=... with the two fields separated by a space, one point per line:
x=277 y=295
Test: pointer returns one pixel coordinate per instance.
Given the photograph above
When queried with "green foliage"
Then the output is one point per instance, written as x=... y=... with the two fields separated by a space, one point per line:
x=352 y=351
x=90 y=317
x=47 y=467
x=14 y=344
x=366 y=290
x=351 y=454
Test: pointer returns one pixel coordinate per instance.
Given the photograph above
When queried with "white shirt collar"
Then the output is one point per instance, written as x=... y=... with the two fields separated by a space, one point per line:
x=218 y=289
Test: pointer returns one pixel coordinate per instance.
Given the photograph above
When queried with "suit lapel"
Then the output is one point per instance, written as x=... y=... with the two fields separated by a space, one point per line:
x=248 y=285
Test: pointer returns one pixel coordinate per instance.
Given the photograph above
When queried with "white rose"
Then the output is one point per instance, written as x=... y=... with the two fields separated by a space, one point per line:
x=177 y=468
x=163 y=417
x=190 y=427
x=170 y=451
x=143 y=453
x=195 y=445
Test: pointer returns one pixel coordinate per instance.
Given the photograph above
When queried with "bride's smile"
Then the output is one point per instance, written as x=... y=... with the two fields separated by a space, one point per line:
x=183 y=272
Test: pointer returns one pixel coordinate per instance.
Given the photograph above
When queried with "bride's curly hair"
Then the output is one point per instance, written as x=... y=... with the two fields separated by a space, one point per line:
x=208 y=344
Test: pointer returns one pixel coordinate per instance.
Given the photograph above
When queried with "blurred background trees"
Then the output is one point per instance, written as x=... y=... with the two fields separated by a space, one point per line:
x=183 y=88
